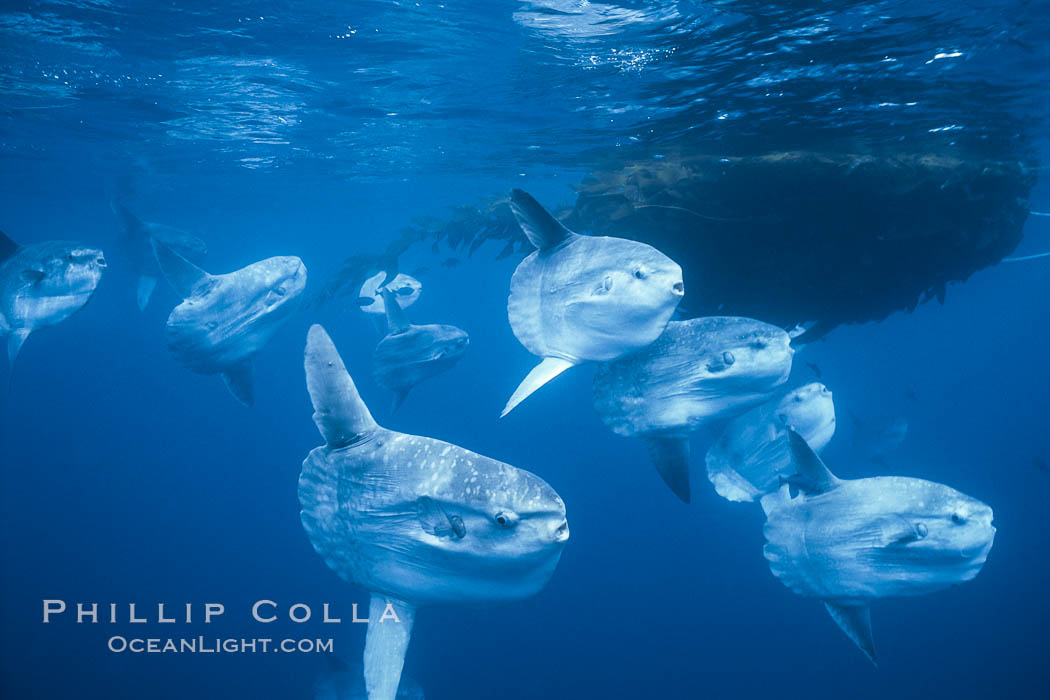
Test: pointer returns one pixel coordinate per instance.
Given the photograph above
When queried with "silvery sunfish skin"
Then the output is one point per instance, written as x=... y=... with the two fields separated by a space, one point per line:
x=416 y=520
x=137 y=240
x=750 y=457
x=850 y=542
x=697 y=372
x=406 y=290
x=409 y=354
x=225 y=319
x=42 y=285
x=344 y=682
x=584 y=298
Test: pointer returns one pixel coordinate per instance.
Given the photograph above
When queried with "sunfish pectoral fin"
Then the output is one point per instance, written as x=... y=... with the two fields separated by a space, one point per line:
x=396 y=321
x=389 y=631
x=542 y=229
x=184 y=276
x=145 y=291
x=808 y=466
x=436 y=521
x=670 y=455
x=14 y=343
x=542 y=373
x=855 y=621
x=340 y=414
x=239 y=381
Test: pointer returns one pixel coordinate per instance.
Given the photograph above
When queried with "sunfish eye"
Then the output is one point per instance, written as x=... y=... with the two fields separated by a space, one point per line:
x=506 y=519
x=758 y=344
x=640 y=274
x=728 y=358
x=958 y=519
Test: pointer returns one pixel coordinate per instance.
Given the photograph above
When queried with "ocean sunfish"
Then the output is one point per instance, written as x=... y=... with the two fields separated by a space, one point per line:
x=409 y=354
x=405 y=288
x=43 y=284
x=584 y=298
x=851 y=542
x=137 y=239
x=697 y=372
x=225 y=319
x=344 y=682
x=751 y=457
x=415 y=520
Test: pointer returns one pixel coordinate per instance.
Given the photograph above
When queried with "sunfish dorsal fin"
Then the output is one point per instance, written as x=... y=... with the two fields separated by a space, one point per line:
x=239 y=381
x=817 y=478
x=389 y=631
x=396 y=321
x=184 y=276
x=7 y=247
x=542 y=373
x=340 y=414
x=855 y=621
x=542 y=229
x=671 y=457
x=131 y=223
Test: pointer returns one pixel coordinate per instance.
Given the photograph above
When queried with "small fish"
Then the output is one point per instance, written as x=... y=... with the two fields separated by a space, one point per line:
x=815 y=369
x=370 y=298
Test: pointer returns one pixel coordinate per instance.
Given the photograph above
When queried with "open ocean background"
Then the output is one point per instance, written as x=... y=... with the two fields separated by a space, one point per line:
x=319 y=130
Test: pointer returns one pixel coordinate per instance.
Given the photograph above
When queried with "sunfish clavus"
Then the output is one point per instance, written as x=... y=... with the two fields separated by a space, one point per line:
x=225 y=319
x=750 y=457
x=584 y=298
x=415 y=520
x=42 y=285
x=697 y=372
x=851 y=542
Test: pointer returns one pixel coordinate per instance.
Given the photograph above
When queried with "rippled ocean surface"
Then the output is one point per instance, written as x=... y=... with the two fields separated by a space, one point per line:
x=327 y=130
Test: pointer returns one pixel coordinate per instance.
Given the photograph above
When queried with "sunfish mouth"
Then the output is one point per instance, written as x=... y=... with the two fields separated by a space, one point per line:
x=678 y=289
x=562 y=533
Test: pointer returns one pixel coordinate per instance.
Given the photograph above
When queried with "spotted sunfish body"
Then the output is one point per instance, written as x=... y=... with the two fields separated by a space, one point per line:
x=750 y=457
x=42 y=285
x=852 y=542
x=584 y=298
x=698 y=372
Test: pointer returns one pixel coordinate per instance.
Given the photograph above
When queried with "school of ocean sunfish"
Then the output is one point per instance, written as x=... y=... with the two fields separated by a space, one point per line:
x=417 y=521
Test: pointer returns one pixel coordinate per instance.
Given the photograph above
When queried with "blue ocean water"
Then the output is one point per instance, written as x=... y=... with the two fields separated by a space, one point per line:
x=322 y=130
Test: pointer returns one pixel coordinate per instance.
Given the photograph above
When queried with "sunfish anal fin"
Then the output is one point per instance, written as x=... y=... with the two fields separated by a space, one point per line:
x=184 y=277
x=389 y=631
x=816 y=477
x=396 y=321
x=542 y=229
x=542 y=373
x=670 y=456
x=855 y=621
x=239 y=381
x=145 y=291
x=14 y=344
x=340 y=414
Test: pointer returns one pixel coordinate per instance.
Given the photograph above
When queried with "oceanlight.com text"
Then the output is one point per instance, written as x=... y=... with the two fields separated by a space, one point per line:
x=217 y=645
